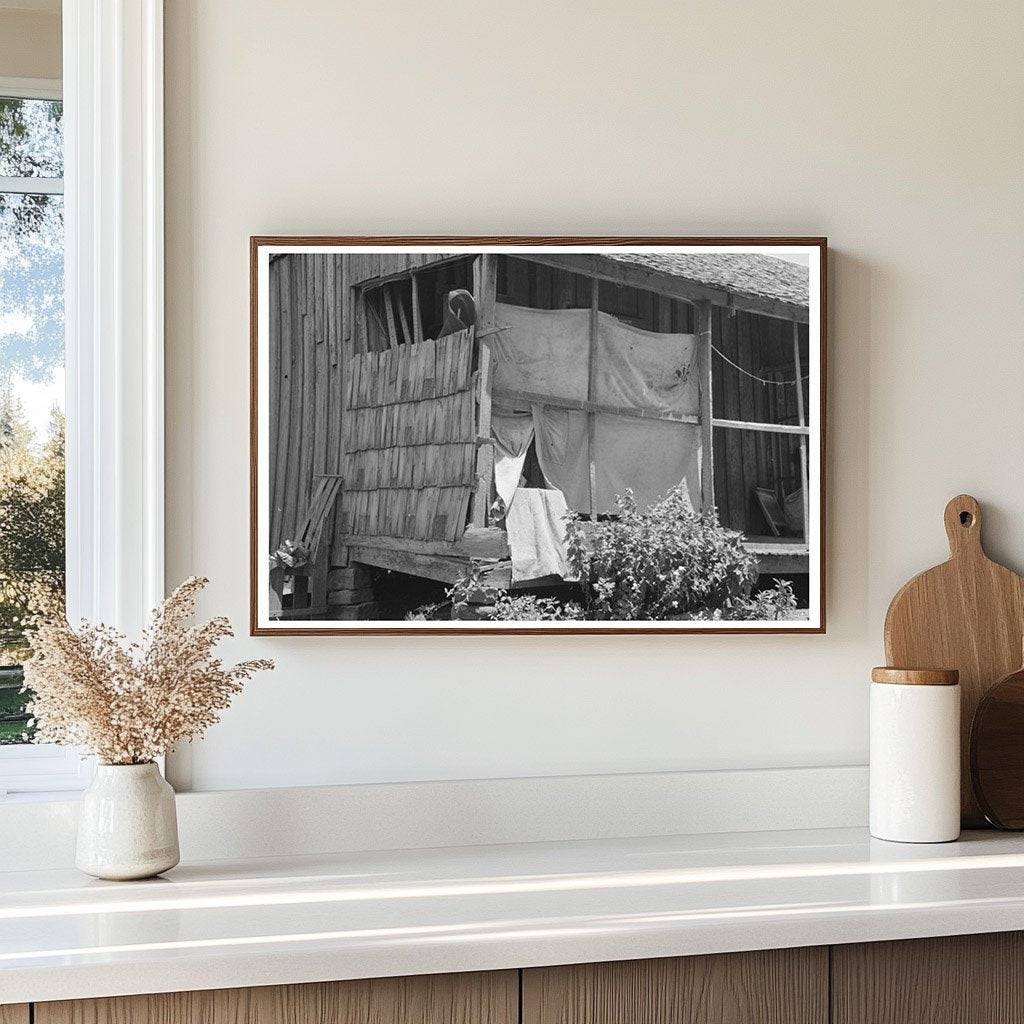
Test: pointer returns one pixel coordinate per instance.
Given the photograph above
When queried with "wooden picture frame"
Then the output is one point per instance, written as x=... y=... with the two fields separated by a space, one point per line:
x=355 y=314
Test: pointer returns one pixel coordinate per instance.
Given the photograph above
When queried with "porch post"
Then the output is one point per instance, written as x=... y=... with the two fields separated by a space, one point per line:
x=484 y=291
x=595 y=286
x=801 y=416
x=703 y=362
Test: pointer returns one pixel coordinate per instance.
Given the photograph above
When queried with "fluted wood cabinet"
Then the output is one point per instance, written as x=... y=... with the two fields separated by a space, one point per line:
x=774 y=986
x=962 y=979
x=481 y=998
x=972 y=979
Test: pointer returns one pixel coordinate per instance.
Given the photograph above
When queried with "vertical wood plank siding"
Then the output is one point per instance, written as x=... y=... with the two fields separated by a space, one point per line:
x=365 y=267
x=307 y=331
x=313 y=331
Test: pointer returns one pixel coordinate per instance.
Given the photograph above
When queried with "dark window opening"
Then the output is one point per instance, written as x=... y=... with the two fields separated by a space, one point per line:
x=754 y=378
x=522 y=282
x=532 y=475
x=395 y=308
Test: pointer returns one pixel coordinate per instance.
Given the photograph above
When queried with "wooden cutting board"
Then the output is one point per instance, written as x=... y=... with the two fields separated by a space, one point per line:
x=967 y=614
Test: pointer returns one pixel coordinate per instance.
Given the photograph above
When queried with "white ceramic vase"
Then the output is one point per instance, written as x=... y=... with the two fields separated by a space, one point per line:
x=127 y=825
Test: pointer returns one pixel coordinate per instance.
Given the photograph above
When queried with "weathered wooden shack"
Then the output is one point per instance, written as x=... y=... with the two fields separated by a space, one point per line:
x=367 y=385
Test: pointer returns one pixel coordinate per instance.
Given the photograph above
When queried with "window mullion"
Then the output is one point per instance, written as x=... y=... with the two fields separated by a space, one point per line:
x=32 y=186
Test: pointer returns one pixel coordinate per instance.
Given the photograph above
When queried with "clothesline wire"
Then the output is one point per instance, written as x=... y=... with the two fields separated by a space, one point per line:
x=754 y=376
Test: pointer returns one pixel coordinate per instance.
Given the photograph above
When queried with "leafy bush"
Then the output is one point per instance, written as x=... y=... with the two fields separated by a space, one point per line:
x=506 y=606
x=31 y=527
x=766 y=605
x=528 y=608
x=664 y=562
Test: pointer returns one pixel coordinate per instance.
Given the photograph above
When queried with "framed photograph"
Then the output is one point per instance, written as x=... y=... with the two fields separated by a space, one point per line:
x=537 y=435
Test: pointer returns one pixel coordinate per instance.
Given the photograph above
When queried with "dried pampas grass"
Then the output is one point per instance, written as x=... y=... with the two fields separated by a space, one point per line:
x=129 y=703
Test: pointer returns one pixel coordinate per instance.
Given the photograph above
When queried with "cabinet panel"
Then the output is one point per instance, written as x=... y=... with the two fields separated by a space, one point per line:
x=481 y=998
x=779 y=986
x=14 y=1013
x=962 y=979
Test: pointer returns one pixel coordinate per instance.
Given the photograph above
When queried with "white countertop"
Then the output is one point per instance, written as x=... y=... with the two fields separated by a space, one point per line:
x=261 y=922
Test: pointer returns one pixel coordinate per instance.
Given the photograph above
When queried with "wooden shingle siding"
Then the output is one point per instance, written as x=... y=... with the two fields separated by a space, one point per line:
x=409 y=437
x=428 y=422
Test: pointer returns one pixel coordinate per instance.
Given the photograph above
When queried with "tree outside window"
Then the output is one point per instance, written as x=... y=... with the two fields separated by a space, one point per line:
x=31 y=387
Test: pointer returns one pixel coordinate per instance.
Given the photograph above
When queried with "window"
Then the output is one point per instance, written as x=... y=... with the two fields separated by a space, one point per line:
x=99 y=160
x=411 y=307
x=32 y=548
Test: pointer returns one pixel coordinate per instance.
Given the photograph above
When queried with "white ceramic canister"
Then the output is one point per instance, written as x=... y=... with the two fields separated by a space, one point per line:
x=915 y=755
x=127 y=825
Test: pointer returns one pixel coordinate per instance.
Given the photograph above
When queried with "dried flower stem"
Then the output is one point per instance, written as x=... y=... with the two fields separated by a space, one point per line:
x=129 y=703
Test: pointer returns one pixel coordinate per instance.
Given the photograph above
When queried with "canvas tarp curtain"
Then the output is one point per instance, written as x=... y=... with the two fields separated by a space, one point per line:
x=547 y=352
x=536 y=531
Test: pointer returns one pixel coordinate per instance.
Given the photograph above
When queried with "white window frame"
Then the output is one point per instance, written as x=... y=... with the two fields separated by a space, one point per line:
x=32 y=88
x=114 y=325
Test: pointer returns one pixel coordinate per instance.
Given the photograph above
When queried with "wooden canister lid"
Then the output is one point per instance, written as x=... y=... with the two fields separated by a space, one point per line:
x=916 y=676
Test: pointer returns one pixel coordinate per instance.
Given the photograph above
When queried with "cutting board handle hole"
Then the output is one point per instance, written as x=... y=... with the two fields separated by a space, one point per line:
x=962 y=517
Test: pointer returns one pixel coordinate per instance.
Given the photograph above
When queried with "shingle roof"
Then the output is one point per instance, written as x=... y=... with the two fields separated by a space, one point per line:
x=742 y=272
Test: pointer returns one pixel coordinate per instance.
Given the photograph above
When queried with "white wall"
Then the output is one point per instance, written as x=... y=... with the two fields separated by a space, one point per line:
x=895 y=129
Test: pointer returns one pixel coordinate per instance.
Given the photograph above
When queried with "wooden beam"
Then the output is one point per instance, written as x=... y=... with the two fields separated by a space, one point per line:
x=800 y=412
x=662 y=283
x=778 y=557
x=595 y=286
x=494 y=545
x=782 y=563
x=360 y=332
x=403 y=321
x=703 y=362
x=514 y=395
x=417 y=316
x=389 y=310
x=774 y=546
x=484 y=291
x=766 y=428
x=432 y=567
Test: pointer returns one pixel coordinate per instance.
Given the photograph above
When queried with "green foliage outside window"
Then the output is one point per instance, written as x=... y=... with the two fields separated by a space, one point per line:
x=31 y=357
x=31 y=549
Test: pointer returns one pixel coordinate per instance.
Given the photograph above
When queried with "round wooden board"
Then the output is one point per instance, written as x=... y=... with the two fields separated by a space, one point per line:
x=997 y=752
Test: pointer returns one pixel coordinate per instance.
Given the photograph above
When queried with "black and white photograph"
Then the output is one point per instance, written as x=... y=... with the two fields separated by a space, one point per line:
x=524 y=435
